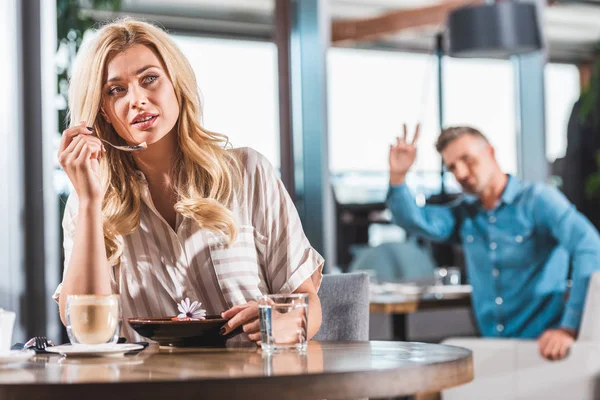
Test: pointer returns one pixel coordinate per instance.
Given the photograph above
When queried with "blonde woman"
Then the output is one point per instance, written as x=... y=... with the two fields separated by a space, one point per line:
x=183 y=218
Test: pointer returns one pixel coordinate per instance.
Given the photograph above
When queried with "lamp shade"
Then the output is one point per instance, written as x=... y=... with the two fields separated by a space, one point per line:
x=496 y=30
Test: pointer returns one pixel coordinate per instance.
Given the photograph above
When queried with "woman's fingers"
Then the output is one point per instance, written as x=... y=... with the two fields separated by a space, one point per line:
x=252 y=327
x=73 y=159
x=255 y=337
x=75 y=131
x=73 y=150
x=248 y=314
x=66 y=154
x=70 y=133
x=234 y=310
x=87 y=153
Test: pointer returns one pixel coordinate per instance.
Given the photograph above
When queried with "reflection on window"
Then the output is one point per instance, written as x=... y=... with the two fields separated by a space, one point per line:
x=238 y=83
x=562 y=91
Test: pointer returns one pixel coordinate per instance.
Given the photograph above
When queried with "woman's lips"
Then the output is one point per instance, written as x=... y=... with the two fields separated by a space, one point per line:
x=145 y=124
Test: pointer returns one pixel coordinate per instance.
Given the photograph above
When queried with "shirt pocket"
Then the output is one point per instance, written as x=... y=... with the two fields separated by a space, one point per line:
x=516 y=246
x=519 y=236
x=236 y=266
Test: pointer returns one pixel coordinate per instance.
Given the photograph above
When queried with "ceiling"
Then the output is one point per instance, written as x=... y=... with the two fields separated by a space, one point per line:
x=572 y=29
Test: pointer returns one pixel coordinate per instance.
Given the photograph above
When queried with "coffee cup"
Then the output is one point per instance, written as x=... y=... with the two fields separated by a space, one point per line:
x=93 y=319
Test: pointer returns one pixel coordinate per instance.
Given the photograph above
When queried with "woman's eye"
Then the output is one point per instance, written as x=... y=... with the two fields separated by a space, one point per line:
x=150 y=78
x=115 y=90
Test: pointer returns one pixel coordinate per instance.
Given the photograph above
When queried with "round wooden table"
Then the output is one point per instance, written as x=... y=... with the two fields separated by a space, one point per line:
x=327 y=370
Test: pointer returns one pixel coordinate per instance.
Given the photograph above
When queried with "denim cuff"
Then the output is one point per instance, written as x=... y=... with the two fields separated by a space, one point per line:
x=571 y=319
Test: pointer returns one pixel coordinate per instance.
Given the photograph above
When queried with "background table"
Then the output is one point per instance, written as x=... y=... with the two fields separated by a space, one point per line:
x=328 y=370
x=399 y=306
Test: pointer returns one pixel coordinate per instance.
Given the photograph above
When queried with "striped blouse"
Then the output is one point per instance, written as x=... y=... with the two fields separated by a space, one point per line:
x=160 y=266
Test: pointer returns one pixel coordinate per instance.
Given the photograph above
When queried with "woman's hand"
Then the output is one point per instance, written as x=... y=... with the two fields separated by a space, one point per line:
x=79 y=155
x=285 y=327
x=245 y=315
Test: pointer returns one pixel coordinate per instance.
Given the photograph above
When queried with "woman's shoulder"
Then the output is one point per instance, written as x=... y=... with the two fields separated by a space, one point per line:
x=251 y=161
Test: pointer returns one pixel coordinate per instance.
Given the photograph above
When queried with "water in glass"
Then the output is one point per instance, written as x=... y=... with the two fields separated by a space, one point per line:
x=283 y=322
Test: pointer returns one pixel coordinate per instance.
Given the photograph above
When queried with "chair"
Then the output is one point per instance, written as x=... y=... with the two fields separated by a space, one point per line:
x=511 y=369
x=396 y=261
x=345 y=307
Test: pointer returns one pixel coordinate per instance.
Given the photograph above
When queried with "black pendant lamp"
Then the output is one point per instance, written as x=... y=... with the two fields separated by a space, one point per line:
x=497 y=30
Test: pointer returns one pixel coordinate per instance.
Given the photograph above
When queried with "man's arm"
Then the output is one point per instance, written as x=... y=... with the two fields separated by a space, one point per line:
x=578 y=236
x=434 y=222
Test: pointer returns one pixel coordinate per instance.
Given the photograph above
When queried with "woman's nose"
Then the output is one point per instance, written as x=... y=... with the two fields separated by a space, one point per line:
x=138 y=98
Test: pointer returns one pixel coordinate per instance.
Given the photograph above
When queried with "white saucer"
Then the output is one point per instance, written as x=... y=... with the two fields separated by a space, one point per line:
x=15 y=356
x=94 y=350
x=449 y=289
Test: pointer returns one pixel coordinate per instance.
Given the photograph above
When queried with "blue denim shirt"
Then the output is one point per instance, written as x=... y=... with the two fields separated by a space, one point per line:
x=517 y=255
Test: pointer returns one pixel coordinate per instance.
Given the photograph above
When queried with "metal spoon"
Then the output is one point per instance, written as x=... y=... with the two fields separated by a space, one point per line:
x=137 y=147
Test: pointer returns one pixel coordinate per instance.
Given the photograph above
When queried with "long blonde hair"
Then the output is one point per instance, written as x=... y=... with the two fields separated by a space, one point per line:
x=206 y=176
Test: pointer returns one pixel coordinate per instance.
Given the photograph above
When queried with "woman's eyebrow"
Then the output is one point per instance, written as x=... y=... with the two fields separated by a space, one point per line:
x=139 y=71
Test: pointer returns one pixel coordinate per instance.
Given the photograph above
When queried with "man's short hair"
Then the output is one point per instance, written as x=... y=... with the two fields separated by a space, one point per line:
x=449 y=135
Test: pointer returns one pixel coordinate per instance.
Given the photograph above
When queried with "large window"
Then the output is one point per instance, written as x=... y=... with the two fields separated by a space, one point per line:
x=238 y=83
x=372 y=93
x=481 y=94
x=562 y=91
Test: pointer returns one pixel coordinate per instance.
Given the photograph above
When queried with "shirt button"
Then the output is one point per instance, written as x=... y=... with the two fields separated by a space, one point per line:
x=518 y=238
x=493 y=245
x=470 y=239
x=499 y=300
x=495 y=272
x=500 y=327
x=492 y=219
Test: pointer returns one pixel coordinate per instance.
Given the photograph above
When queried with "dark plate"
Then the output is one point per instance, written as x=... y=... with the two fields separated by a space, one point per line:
x=203 y=333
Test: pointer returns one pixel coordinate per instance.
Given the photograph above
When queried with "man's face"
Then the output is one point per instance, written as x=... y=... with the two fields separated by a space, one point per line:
x=472 y=162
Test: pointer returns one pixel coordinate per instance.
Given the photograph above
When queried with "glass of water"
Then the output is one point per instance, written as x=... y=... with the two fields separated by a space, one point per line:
x=447 y=276
x=283 y=321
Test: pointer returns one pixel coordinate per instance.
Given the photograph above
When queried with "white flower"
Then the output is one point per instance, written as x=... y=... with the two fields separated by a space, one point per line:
x=192 y=311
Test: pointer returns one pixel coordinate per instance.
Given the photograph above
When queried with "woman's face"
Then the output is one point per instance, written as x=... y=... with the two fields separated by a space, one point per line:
x=138 y=98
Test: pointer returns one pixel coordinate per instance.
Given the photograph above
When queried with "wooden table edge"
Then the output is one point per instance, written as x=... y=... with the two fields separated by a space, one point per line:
x=398 y=381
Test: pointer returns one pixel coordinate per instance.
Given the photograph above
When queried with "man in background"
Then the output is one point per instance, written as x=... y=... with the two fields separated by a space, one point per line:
x=519 y=239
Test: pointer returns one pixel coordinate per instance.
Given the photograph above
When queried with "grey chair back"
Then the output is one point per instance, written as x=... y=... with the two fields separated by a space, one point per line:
x=345 y=307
